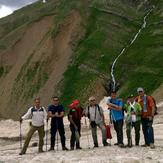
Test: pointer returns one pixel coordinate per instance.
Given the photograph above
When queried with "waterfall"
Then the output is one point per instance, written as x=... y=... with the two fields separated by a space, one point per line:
x=124 y=49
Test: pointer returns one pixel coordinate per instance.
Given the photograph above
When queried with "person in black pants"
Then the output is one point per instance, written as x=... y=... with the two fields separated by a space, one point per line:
x=74 y=115
x=56 y=113
x=115 y=106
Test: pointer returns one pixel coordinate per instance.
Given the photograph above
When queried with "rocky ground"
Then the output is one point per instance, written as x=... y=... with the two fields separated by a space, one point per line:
x=10 y=146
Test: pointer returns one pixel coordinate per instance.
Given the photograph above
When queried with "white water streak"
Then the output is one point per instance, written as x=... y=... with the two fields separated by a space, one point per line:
x=124 y=49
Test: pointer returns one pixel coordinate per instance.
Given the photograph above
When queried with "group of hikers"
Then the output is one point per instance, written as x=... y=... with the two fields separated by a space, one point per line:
x=138 y=110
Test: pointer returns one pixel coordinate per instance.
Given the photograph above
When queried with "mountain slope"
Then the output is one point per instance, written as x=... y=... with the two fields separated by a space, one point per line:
x=66 y=48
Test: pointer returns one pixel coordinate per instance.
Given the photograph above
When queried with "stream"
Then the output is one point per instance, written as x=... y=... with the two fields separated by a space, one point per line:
x=128 y=46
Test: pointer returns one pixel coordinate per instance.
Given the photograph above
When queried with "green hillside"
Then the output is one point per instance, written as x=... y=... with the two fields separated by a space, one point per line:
x=142 y=63
x=106 y=27
x=109 y=28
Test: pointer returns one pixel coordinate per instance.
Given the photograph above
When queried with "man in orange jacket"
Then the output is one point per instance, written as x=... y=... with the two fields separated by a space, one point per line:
x=147 y=116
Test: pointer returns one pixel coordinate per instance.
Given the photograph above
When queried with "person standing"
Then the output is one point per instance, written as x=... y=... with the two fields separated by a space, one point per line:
x=133 y=120
x=115 y=106
x=56 y=113
x=38 y=114
x=148 y=110
x=75 y=114
x=95 y=114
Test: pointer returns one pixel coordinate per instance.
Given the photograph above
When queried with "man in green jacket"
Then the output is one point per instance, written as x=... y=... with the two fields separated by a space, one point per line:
x=133 y=120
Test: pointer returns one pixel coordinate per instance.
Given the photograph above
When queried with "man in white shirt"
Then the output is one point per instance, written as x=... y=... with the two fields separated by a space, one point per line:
x=38 y=114
x=95 y=114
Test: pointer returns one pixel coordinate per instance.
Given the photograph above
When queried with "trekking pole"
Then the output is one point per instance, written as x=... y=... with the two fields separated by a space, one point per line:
x=110 y=122
x=87 y=134
x=112 y=117
x=130 y=141
x=47 y=135
x=57 y=133
x=20 y=136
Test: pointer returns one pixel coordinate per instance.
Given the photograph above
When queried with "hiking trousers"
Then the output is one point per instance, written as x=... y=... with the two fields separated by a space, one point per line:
x=60 y=128
x=94 y=133
x=73 y=135
x=118 y=126
x=148 y=131
x=41 y=134
x=136 y=126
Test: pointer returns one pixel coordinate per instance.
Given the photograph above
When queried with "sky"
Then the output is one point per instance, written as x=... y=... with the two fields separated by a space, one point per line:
x=8 y=6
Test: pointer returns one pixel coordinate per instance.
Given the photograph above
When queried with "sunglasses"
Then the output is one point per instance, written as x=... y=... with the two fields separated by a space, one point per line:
x=92 y=100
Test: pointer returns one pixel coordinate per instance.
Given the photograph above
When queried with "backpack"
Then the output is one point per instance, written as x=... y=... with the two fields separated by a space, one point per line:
x=155 y=105
x=33 y=110
x=95 y=110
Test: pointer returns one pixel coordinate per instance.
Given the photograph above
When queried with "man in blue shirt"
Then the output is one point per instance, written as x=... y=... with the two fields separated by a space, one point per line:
x=56 y=113
x=115 y=106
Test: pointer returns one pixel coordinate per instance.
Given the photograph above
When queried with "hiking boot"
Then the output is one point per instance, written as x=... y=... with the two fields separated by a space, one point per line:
x=72 y=148
x=95 y=145
x=78 y=148
x=129 y=145
x=115 y=143
x=64 y=148
x=121 y=145
x=144 y=145
x=22 y=153
x=35 y=144
x=105 y=143
x=152 y=146
x=51 y=149
x=41 y=151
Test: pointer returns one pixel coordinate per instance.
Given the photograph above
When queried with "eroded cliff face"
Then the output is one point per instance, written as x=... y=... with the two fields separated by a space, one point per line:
x=37 y=63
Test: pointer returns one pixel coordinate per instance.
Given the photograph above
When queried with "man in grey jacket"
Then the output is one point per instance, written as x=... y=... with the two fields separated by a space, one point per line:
x=38 y=114
x=95 y=114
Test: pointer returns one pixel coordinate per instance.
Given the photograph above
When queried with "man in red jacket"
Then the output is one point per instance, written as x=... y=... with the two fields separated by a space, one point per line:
x=75 y=115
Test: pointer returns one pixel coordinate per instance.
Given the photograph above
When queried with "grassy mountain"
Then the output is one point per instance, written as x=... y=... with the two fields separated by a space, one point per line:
x=66 y=48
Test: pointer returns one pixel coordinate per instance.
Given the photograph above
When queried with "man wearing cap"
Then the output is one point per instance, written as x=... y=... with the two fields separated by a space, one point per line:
x=95 y=114
x=147 y=115
x=115 y=106
x=75 y=114
x=133 y=119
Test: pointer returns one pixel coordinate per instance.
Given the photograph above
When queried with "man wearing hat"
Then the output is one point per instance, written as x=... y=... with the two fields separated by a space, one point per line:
x=74 y=116
x=147 y=115
x=133 y=119
x=95 y=114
